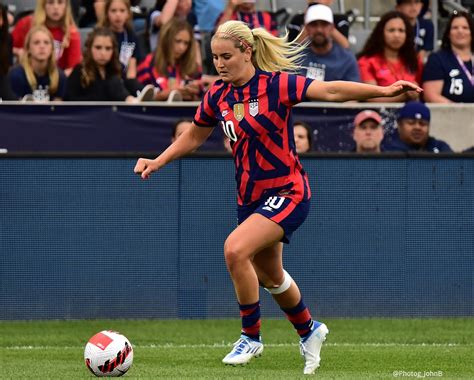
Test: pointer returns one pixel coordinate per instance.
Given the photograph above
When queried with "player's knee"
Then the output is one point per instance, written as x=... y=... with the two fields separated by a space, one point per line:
x=279 y=286
x=233 y=254
x=272 y=282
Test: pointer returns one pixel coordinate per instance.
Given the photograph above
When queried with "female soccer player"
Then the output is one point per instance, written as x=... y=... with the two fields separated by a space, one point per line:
x=252 y=102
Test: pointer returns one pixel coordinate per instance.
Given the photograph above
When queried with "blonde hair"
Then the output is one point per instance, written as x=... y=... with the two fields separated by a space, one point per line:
x=104 y=20
x=68 y=24
x=269 y=53
x=53 y=72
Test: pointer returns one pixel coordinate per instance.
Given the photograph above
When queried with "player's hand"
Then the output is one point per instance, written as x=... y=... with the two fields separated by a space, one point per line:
x=144 y=167
x=401 y=87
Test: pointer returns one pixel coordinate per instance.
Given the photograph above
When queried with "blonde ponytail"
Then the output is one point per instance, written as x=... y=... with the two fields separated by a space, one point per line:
x=269 y=53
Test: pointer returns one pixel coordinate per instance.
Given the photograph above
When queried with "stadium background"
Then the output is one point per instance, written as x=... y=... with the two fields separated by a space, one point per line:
x=85 y=238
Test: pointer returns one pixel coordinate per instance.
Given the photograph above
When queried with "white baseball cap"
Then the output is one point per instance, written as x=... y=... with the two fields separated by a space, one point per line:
x=318 y=12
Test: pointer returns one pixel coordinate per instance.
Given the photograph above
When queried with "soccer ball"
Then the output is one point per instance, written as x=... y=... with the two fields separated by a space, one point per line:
x=108 y=353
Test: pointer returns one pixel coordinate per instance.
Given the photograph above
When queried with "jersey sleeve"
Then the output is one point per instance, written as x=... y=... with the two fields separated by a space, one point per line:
x=292 y=88
x=433 y=69
x=206 y=113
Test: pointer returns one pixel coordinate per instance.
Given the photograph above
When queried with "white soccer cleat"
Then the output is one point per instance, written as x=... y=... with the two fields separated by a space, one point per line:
x=244 y=350
x=310 y=348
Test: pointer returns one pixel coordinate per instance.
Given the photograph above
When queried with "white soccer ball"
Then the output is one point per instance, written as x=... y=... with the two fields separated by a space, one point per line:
x=108 y=353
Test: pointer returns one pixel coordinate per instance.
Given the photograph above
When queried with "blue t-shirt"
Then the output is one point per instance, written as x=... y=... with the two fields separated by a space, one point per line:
x=443 y=65
x=20 y=86
x=338 y=64
x=432 y=145
x=207 y=12
x=424 y=34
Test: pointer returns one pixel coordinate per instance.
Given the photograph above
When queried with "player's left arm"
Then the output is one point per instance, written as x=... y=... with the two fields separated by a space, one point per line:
x=342 y=91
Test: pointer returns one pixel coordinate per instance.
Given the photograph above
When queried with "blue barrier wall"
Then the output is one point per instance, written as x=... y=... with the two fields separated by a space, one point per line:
x=96 y=127
x=85 y=238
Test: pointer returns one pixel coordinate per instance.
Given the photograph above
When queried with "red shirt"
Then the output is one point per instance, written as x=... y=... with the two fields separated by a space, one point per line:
x=377 y=68
x=66 y=58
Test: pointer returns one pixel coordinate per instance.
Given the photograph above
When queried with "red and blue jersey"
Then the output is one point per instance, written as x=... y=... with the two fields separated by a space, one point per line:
x=257 y=119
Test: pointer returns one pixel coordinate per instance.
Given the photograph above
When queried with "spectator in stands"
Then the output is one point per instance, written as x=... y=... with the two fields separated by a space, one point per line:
x=207 y=12
x=303 y=137
x=389 y=55
x=118 y=18
x=172 y=68
x=339 y=34
x=98 y=78
x=325 y=60
x=37 y=77
x=413 y=131
x=179 y=127
x=423 y=28
x=56 y=15
x=164 y=11
x=245 y=10
x=368 y=132
x=6 y=56
x=449 y=73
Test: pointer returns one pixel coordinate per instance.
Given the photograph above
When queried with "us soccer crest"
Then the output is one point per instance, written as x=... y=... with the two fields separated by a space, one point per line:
x=239 y=111
x=253 y=107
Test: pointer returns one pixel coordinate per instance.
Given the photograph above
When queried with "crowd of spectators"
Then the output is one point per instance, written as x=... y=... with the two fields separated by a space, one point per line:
x=162 y=52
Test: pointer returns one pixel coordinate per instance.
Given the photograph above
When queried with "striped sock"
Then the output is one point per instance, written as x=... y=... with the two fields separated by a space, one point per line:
x=250 y=315
x=301 y=319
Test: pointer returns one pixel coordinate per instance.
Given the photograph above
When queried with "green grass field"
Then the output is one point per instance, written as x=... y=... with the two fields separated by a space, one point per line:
x=355 y=349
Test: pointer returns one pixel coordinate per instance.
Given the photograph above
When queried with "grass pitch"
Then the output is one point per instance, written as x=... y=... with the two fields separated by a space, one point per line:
x=355 y=349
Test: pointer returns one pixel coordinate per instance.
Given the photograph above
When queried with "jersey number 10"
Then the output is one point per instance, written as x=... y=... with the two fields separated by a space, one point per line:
x=229 y=130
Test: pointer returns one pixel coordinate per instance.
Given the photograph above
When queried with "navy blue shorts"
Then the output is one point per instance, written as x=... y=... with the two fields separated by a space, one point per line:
x=285 y=211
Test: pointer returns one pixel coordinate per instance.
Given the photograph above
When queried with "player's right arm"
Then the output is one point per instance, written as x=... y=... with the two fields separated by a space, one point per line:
x=187 y=142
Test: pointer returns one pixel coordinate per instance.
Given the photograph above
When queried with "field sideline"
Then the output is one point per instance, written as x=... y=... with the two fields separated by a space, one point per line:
x=171 y=349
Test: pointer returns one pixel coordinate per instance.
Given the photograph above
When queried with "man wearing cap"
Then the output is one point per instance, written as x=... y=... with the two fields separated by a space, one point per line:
x=423 y=28
x=413 y=131
x=245 y=10
x=323 y=59
x=340 y=33
x=368 y=132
